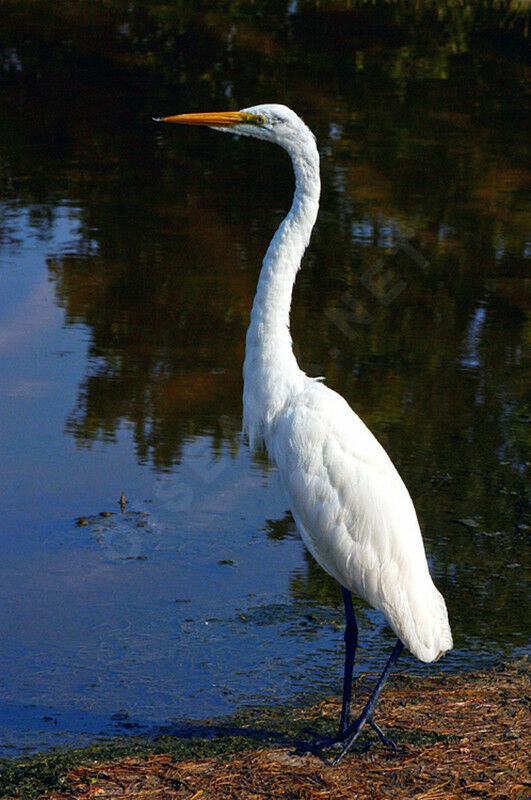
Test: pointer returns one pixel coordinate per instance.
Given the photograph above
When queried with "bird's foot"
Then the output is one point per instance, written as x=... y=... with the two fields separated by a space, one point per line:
x=386 y=740
x=320 y=744
x=346 y=737
x=350 y=735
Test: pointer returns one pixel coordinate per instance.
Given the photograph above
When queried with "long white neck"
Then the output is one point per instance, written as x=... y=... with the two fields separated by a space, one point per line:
x=271 y=373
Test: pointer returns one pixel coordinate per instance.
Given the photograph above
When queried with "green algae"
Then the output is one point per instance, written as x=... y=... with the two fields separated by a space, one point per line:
x=421 y=715
x=248 y=729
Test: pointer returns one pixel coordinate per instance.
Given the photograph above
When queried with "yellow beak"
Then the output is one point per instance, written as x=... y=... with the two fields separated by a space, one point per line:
x=221 y=119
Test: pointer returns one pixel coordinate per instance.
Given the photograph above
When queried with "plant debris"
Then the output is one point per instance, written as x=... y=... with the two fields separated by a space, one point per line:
x=463 y=736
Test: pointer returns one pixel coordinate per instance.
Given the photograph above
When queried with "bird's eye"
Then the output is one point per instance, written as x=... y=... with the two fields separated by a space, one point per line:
x=260 y=119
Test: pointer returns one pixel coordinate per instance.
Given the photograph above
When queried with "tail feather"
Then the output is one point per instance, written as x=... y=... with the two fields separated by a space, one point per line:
x=445 y=634
x=421 y=623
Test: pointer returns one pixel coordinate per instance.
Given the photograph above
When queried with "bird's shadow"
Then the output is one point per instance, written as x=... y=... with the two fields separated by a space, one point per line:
x=212 y=731
x=221 y=737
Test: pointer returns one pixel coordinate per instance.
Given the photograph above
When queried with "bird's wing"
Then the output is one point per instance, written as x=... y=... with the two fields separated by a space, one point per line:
x=355 y=514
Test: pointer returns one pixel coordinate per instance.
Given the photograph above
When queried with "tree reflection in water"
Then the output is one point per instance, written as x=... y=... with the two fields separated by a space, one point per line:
x=411 y=300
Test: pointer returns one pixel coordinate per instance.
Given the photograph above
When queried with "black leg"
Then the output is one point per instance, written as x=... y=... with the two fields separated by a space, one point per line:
x=351 y=641
x=382 y=736
x=350 y=735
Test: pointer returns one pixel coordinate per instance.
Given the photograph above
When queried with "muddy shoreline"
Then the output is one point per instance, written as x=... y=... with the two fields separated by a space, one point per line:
x=460 y=736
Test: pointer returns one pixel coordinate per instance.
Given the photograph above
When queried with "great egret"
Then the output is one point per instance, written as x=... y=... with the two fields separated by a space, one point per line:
x=349 y=503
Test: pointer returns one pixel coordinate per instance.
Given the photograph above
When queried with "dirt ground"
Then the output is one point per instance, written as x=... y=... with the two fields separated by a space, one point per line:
x=457 y=737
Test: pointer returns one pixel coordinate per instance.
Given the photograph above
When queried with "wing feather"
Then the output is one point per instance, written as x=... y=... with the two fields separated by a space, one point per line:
x=355 y=515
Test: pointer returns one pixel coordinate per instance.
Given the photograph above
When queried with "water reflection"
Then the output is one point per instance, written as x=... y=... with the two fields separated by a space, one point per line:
x=411 y=303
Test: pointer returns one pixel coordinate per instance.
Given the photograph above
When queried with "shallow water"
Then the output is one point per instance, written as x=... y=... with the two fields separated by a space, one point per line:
x=129 y=254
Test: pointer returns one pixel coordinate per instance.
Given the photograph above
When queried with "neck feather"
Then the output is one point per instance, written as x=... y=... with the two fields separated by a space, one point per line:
x=271 y=373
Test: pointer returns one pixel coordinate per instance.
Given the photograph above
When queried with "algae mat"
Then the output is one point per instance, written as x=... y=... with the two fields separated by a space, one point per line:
x=465 y=736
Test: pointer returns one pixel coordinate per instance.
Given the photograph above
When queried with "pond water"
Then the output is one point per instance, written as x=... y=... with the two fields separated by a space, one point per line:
x=129 y=255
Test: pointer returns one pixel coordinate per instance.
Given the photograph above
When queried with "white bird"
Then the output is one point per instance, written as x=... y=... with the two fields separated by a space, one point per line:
x=349 y=503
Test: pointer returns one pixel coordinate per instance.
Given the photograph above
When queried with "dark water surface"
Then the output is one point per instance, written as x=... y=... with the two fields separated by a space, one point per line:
x=129 y=255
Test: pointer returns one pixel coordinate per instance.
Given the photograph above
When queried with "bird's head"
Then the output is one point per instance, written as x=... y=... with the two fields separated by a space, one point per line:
x=271 y=121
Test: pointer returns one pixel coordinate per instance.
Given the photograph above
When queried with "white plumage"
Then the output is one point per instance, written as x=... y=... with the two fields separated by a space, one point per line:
x=349 y=503
x=356 y=517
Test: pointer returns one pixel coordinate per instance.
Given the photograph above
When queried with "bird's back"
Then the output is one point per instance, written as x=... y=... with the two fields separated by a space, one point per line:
x=355 y=514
